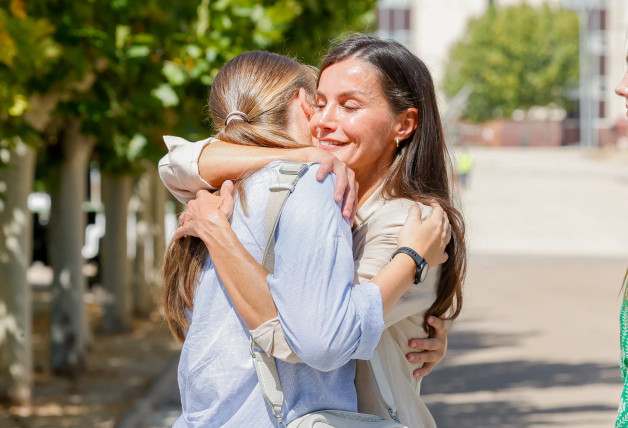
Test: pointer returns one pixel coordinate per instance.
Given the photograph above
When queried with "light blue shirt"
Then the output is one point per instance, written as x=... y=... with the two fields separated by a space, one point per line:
x=327 y=320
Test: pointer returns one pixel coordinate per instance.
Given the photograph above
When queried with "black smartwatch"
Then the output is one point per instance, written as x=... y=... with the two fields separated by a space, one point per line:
x=421 y=265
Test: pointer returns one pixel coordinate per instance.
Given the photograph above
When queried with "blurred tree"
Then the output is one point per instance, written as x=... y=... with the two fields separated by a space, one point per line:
x=515 y=57
x=26 y=51
x=106 y=79
x=320 y=22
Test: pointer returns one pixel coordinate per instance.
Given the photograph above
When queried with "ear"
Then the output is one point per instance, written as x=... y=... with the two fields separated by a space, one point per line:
x=306 y=105
x=406 y=123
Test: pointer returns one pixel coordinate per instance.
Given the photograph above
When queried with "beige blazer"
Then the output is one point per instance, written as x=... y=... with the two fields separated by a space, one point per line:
x=377 y=224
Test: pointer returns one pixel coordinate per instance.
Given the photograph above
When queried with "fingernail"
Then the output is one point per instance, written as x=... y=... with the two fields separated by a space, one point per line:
x=431 y=319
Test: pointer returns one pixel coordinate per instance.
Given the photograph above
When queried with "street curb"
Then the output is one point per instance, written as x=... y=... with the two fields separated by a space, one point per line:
x=137 y=416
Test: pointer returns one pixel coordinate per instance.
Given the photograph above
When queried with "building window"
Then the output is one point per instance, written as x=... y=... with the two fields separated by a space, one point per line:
x=394 y=23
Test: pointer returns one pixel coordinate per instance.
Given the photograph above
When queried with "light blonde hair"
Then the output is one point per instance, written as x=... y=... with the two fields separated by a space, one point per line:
x=261 y=85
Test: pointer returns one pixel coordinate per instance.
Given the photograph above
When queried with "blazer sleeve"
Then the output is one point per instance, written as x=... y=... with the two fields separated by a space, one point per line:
x=178 y=169
x=380 y=244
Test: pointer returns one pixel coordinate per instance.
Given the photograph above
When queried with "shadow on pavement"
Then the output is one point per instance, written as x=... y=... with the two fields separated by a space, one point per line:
x=501 y=414
x=522 y=376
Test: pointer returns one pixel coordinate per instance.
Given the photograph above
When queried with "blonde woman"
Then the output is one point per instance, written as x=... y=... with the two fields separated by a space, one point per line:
x=259 y=98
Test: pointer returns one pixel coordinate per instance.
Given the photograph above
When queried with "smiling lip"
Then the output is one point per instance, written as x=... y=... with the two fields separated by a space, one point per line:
x=330 y=144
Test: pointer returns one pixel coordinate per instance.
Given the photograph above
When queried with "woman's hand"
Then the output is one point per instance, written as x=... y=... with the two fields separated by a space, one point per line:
x=427 y=237
x=346 y=186
x=206 y=211
x=431 y=351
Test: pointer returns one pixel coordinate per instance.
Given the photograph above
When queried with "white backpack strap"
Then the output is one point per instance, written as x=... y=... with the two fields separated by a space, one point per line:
x=289 y=174
x=384 y=388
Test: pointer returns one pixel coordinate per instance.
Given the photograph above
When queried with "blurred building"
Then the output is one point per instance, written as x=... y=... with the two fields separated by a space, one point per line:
x=429 y=28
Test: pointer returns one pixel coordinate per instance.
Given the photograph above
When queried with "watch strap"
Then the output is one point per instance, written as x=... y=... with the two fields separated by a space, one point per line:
x=420 y=261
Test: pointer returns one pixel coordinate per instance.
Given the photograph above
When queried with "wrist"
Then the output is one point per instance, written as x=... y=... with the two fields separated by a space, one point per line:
x=420 y=264
x=215 y=231
x=404 y=264
x=305 y=154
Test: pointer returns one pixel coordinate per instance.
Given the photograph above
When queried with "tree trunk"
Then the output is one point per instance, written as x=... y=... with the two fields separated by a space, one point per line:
x=118 y=315
x=16 y=361
x=158 y=208
x=68 y=321
x=143 y=297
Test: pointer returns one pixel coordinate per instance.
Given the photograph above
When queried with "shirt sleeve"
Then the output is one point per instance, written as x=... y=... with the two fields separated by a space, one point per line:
x=326 y=320
x=178 y=169
x=270 y=337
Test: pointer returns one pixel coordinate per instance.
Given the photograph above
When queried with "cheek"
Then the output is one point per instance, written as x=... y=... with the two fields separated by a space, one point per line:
x=313 y=123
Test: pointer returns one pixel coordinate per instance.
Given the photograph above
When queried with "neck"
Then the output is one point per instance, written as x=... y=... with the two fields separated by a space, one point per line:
x=368 y=184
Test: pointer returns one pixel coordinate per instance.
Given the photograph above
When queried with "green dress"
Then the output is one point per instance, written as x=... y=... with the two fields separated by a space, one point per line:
x=622 y=413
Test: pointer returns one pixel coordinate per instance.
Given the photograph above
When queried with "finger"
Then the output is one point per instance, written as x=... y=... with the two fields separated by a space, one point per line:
x=414 y=213
x=179 y=233
x=227 y=189
x=437 y=211
x=342 y=182
x=350 y=197
x=424 y=371
x=325 y=167
x=201 y=192
x=440 y=327
x=422 y=345
x=226 y=198
x=355 y=205
x=423 y=357
x=183 y=217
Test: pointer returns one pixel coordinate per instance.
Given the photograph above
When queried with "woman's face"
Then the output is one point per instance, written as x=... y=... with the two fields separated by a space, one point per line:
x=353 y=119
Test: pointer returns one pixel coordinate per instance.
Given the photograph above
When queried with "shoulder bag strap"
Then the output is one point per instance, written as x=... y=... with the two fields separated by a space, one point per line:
x=265 y=367
x=385 y=394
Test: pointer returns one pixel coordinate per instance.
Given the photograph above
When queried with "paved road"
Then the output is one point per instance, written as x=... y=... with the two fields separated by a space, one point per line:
x=537 y=345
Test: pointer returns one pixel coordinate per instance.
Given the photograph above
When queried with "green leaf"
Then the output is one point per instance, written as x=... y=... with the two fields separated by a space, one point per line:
x=173 y=73
x=166 y=95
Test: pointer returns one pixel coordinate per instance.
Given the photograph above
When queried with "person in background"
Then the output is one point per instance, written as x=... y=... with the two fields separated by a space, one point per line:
x=622 y=412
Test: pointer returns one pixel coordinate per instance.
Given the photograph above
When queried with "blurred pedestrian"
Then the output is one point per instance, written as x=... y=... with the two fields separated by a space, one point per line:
x=464 y=162
x=622 y=413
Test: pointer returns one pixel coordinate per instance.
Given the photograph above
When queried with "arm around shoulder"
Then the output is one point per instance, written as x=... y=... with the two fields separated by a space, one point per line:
x=326 y=320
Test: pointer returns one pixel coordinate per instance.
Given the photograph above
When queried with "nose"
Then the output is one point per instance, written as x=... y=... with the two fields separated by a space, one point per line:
x=327 y=118
x=622 y=87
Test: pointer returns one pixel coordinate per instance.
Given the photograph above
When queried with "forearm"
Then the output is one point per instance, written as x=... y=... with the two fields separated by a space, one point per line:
x=243 y=277
x=222 y=161
x=394 y=279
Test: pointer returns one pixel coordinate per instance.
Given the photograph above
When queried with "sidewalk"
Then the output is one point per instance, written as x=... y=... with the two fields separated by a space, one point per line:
x=537 y=343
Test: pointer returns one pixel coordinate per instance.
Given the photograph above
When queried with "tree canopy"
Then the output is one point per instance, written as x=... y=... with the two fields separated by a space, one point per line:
x=515 y=57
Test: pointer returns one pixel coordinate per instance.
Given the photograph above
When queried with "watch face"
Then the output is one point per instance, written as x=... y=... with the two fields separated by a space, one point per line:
x=424 y=269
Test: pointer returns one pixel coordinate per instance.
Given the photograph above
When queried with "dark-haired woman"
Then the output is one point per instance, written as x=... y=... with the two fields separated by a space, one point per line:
x=375 y=110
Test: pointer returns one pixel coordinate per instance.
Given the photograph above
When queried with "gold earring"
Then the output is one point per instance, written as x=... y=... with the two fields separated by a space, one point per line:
x=397 y=141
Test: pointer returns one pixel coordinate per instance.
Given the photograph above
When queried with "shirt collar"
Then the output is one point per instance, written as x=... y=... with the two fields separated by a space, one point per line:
x=372 y=204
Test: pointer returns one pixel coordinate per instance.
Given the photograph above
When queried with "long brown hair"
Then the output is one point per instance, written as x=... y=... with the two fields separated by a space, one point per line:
x=261 y=85
x=419 y=169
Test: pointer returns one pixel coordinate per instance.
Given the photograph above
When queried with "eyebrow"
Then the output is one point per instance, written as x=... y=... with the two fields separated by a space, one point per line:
x=345 y=94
